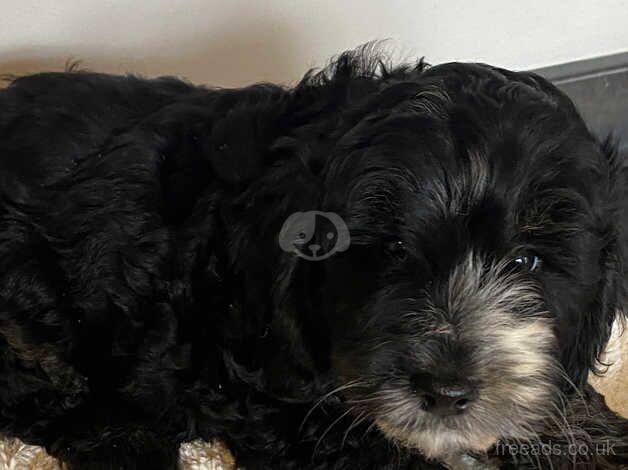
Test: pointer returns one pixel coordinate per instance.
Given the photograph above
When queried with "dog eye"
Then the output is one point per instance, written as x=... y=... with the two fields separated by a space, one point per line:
x=526 y=263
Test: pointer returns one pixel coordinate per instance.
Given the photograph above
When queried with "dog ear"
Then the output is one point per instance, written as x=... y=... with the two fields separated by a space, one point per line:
x=610 y=303
x=617 y=252
x=619 y=171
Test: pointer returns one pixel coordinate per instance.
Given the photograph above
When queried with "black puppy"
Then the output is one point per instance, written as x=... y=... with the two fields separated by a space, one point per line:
x=380 y=268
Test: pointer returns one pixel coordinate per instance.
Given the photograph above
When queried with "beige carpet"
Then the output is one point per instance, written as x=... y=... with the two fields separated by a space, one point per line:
x=198 y=455
x=614 y=383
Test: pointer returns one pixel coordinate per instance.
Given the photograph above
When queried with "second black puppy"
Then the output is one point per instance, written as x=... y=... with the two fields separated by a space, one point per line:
x=373 y=269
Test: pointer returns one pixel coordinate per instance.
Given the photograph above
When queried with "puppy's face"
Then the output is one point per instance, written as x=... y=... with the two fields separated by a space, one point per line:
x=478 y=272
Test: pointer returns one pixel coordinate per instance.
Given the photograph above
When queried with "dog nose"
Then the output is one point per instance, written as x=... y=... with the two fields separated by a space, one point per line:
x=443 y=398
x=314 y=248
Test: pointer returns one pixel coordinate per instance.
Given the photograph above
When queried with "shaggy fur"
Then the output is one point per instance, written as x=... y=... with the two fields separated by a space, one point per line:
x=149 y=296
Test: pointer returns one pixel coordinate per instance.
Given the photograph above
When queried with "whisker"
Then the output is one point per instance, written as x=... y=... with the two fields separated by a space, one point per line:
x=337 y=420
x=348 y=385
x=356 y=422
x=565 y=376
x=368 y=429
x=540 y=444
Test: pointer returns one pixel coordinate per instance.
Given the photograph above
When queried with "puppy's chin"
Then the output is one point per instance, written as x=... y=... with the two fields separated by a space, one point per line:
x=440 y=442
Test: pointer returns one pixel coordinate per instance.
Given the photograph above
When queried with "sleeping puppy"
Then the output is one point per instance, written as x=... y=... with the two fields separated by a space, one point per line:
x=383 y=267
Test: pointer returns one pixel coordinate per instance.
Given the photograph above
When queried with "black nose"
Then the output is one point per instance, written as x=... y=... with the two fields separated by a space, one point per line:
x=443 y=397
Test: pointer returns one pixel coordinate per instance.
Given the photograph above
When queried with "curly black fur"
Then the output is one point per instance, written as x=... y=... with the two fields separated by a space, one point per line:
x=144 y=297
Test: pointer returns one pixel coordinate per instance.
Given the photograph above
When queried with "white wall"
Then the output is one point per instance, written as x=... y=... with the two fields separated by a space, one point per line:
x=234 y=42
